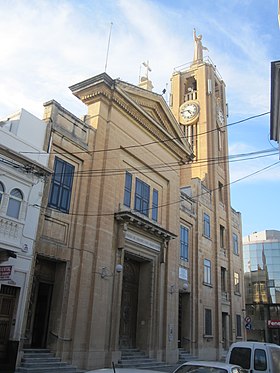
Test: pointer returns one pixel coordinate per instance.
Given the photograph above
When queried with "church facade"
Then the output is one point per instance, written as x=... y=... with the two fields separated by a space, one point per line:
x=138 y=246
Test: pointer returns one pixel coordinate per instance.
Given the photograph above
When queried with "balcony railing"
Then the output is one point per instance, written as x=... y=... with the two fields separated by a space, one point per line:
x=10 y=231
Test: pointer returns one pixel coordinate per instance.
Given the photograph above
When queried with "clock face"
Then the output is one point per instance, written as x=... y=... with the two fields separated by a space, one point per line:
x=188 y=111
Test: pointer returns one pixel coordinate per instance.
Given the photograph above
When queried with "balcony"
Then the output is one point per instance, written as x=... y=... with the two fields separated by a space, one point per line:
x=10 y=231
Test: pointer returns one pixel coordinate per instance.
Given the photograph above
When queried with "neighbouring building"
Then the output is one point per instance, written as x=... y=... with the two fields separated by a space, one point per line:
x=275 y=102
x=262 y=283
x=138 y=246
x=23 y=171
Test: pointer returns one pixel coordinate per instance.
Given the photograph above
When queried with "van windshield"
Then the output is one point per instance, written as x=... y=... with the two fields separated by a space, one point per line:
x=241 y=356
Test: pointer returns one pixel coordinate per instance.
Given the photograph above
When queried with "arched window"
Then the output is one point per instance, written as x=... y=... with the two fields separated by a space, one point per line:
x=14 y=204
x=1 y=191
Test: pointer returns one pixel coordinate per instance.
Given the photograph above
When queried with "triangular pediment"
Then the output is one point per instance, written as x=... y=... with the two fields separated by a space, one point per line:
x=156 y=108
x=147 y=108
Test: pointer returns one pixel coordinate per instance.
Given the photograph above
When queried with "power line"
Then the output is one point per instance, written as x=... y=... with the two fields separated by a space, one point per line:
x=175 y=202
x=151 y=142
x=165 y=166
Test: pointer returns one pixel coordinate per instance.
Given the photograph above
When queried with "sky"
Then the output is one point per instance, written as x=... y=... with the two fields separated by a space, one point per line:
x=49 y=45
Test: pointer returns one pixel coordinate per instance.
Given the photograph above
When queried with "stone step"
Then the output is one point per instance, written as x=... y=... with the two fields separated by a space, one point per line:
x=134 y=358
x=43 y=364
x=140 y=362
x=66 y=369
x=43 y=361
x=40 y=360
x=38 y=355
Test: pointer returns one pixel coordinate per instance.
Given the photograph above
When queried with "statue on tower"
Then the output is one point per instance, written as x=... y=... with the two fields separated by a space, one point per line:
x=198 y=48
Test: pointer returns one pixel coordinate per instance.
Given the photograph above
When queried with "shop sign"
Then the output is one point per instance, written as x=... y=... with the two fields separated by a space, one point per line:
x=273 y=324
x=5 y=272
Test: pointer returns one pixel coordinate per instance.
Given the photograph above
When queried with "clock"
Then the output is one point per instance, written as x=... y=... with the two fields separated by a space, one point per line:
x=188 y=112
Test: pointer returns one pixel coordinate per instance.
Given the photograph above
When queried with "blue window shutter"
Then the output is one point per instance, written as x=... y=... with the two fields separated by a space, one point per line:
x=155 y=205
x=127 y=189
x=184 y=243
x=61 y=187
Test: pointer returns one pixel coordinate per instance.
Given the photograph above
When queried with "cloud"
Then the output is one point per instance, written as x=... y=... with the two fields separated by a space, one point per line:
x=49 y=46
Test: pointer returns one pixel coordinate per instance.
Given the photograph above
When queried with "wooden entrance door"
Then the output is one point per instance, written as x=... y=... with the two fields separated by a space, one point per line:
x=7 y=302
x=128 y=321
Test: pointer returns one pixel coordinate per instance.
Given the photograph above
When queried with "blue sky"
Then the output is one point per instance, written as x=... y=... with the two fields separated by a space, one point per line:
x=47 y=45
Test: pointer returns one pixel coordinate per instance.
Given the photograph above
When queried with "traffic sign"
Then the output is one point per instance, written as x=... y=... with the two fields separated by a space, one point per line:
x=248 y=326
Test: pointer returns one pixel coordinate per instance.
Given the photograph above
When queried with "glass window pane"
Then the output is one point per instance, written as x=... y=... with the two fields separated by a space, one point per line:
x=16 y=193
x=184 y=243
x=142 y=197
x=64 y=199
x=61 y=187
x=208 y=322
x=127 y=189
x=13 y=208
x=206 y=223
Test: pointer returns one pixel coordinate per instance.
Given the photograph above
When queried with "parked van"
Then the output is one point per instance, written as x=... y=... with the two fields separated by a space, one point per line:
x=256 y=357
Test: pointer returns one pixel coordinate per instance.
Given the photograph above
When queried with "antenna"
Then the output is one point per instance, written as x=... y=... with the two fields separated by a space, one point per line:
x=108 y=46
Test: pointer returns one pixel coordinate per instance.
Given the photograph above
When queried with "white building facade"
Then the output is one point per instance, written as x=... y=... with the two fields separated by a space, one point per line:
x=23 y=173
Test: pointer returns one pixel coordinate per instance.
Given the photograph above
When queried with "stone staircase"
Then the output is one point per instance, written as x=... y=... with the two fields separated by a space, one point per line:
x=185 y=356
x=134 y=358
x=43 y=361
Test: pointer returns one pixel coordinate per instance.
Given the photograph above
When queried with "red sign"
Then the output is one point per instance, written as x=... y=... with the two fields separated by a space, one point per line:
x=5 y=272
x=273 y=324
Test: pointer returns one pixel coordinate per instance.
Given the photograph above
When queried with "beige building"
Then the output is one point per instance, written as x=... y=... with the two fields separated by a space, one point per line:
x=216 y=301
x=138 y=245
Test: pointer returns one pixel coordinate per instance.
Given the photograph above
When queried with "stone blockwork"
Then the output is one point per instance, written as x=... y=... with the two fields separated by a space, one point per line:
x=112 y=269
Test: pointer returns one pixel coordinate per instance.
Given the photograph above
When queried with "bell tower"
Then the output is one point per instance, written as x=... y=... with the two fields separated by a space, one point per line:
x=198 y=103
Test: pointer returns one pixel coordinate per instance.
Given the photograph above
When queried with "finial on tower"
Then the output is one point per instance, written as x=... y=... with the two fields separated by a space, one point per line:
x=198 y=48
x=146 y=64
x=144 y=81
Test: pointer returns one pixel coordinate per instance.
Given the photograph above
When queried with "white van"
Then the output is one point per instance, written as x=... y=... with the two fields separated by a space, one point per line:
x=256 y=357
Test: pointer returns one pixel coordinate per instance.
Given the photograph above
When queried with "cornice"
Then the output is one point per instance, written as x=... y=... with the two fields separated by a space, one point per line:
x=105 y=88
x=136 y=219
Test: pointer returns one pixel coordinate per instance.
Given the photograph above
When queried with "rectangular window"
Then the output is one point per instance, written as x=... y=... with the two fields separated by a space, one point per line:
x=207 y=272
x=223 y=279
x=235 y=244
x=127 y=189
x=155 y=205
x=61 y=185
x=184 y=243
x=222 y=237
x=236 y=283
x=238 y=326
x=142 y=197
x=221 y=192
x=206 y=225
x=208 y=321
